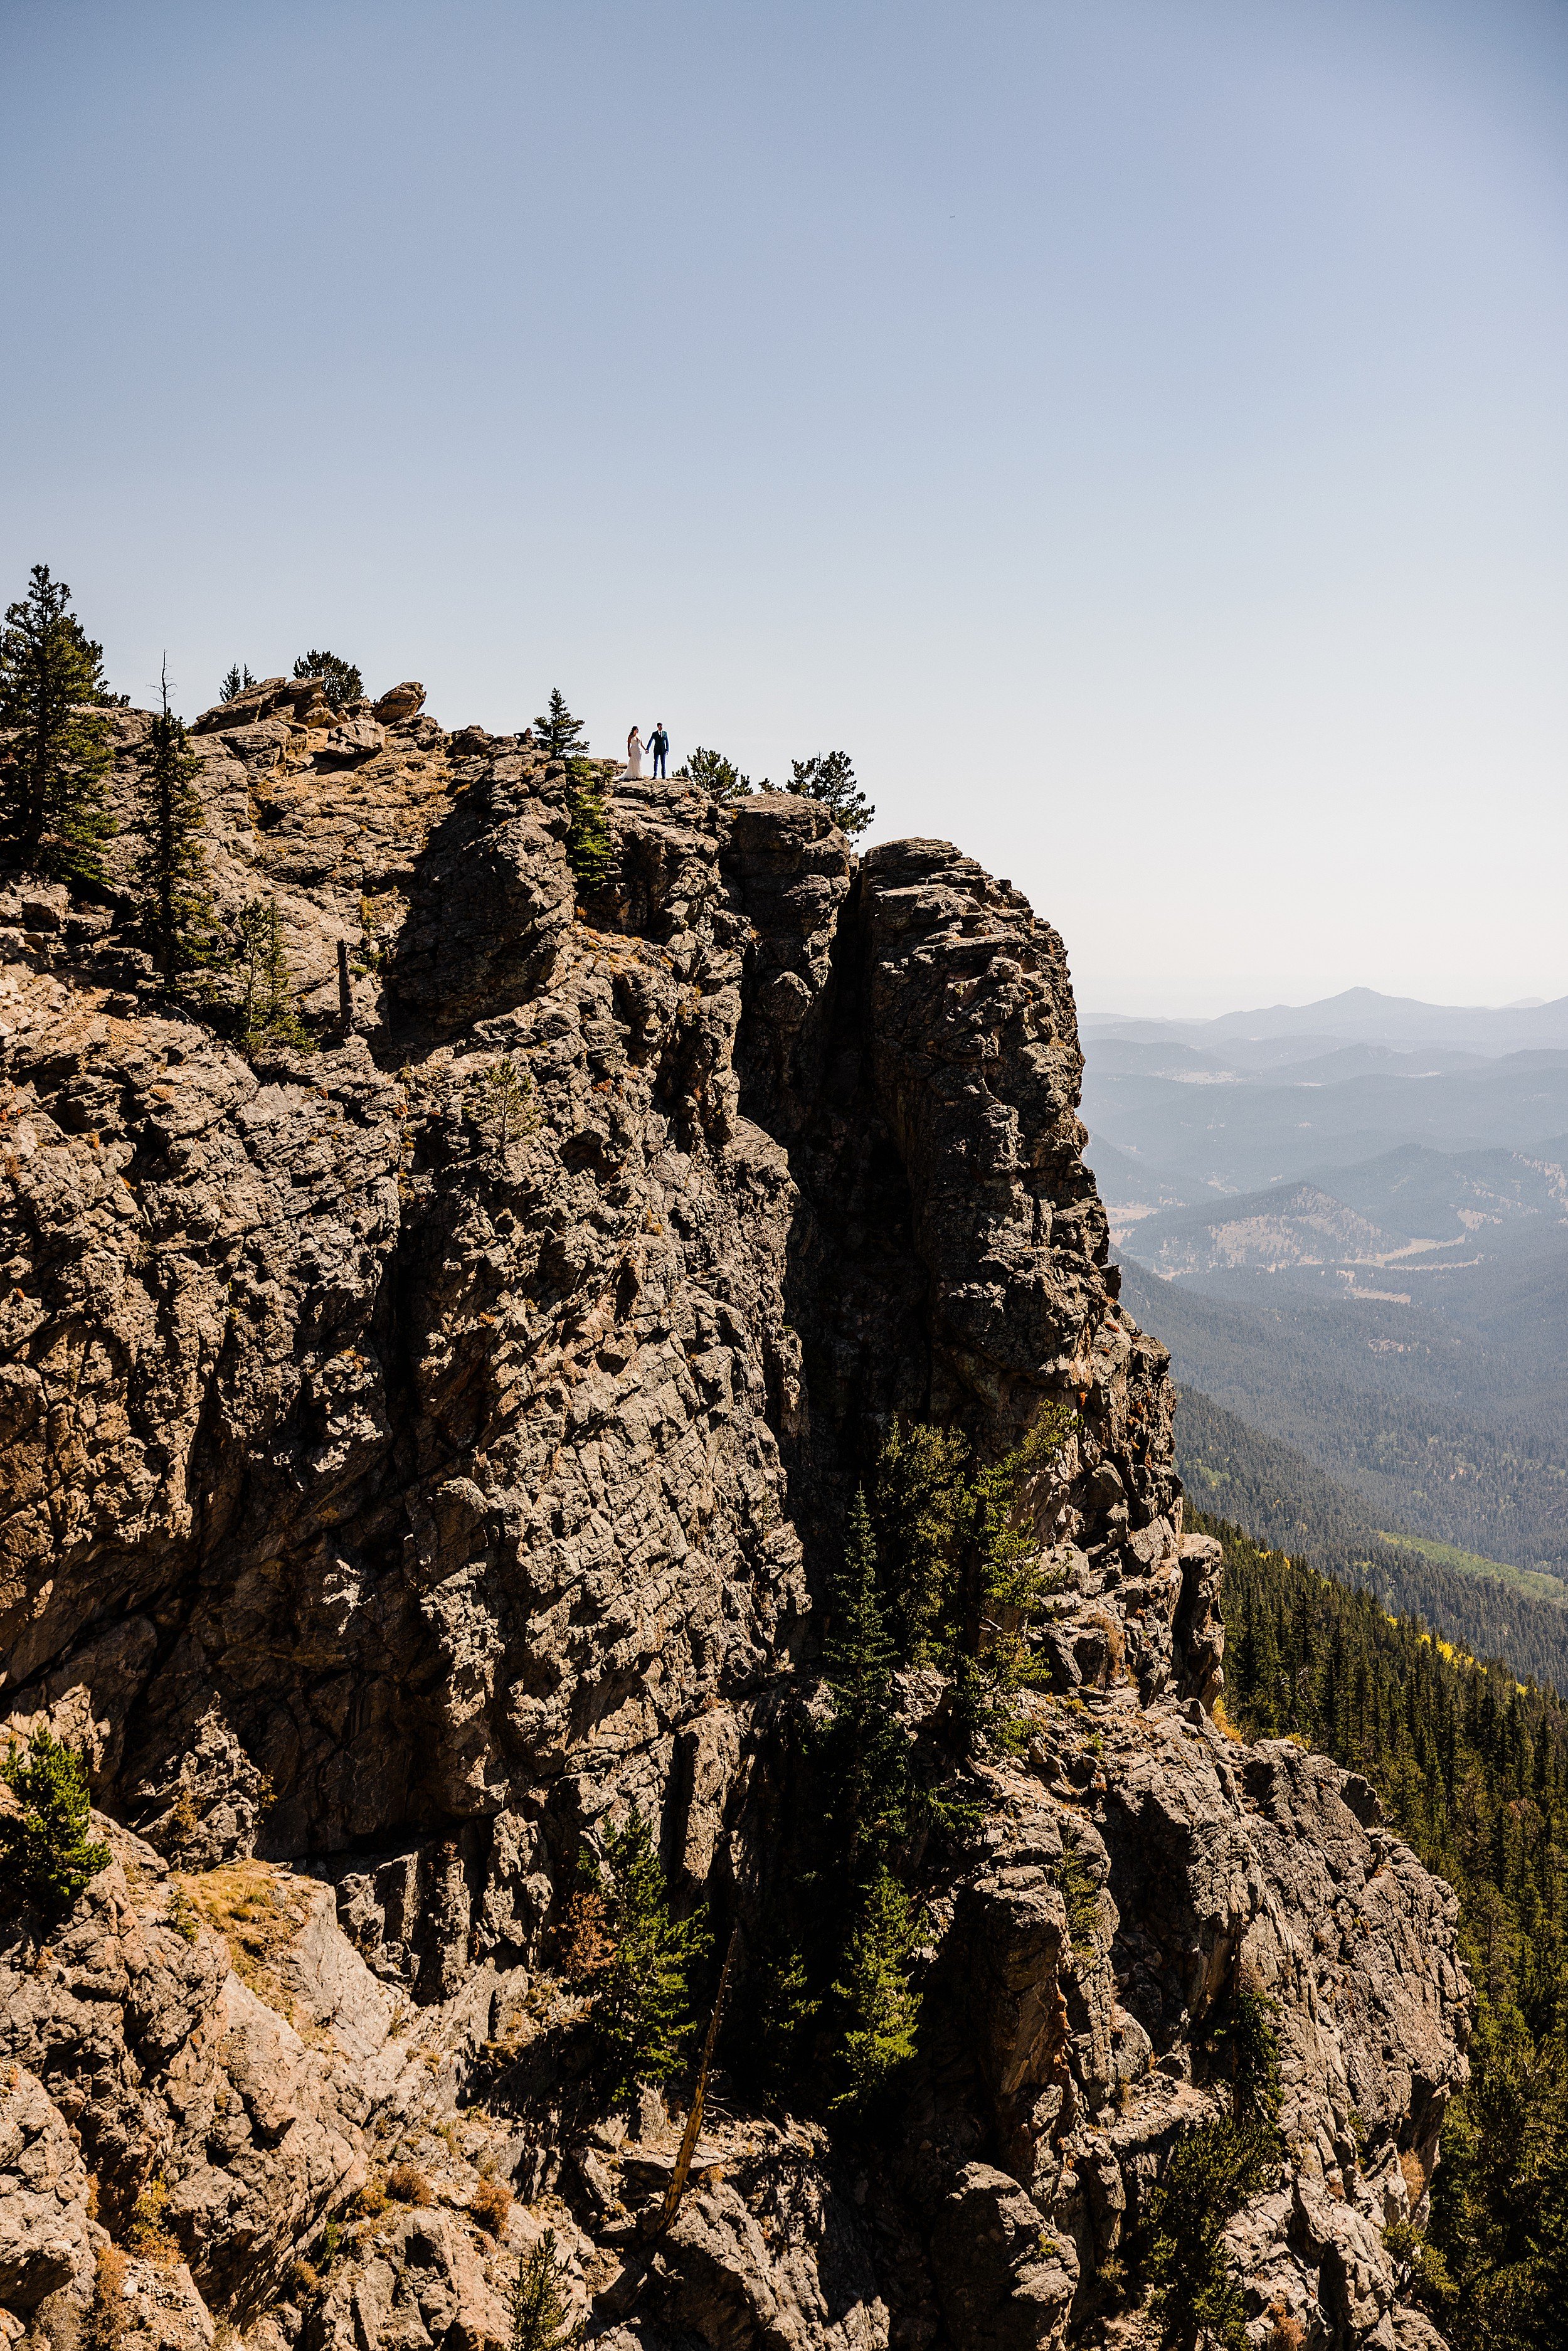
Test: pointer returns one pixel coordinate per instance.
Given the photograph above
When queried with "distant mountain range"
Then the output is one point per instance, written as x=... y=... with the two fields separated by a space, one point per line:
x=1208 y=1123
x=1349 y=1223
x=1450 y=1426
x=1362 y=1016
x=1413 y=1224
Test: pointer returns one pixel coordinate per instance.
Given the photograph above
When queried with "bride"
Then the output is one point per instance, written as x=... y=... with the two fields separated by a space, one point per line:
x=633 y=752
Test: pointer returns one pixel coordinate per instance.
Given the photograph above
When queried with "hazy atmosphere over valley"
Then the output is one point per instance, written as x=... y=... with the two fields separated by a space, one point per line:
x=1349 y=1222
x=784 y=1175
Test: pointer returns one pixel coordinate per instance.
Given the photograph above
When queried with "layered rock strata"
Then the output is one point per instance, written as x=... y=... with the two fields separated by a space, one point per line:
x=410 y=1465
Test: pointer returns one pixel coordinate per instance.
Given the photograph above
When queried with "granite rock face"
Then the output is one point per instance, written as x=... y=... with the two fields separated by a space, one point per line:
x=418 y=1450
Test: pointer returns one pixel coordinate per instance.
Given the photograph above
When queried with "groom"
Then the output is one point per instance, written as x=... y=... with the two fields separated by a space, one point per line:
x=659 y=743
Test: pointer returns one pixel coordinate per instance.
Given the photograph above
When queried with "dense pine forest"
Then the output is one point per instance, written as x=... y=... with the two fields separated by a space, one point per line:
x=1472 y=1768
x=1257 y=1481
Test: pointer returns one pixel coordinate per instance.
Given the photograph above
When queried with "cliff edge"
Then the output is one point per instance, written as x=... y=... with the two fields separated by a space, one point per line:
x=401 y=1483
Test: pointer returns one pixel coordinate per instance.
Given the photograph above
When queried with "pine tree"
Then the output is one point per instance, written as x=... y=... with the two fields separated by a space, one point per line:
x=266 y=1005
x=1211 y=2172
x=711 y=772
x=540 y=2317
x=864 y=1756
x=921 y=1508
x=641 y=2008
x=55 y=767
x=171 y=871
x=1005 y=1585
x=590 y=851
x=500 y=1106
x=783 y=2008
x=1249 y=2038
x=236 y=682
x=1499 y=2201
x=882 y=2007
x=830 y=779
x=559 y=735
x=48 y=1855
x=341 y=681
x=1075 y=1882
x=1447 y=1743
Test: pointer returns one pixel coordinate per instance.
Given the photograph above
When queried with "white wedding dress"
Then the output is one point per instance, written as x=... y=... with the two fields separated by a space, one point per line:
x=633 y=752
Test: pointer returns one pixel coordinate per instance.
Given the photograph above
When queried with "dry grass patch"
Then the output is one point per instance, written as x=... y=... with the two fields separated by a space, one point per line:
x=1221 y=1721
x=110 y=2313
x=492 y=2205
x=242 y=1901
x=1285 y=2333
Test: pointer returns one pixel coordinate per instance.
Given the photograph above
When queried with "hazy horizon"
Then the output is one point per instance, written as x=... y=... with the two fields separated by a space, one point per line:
x=1134 y=435
x=1087 y=1011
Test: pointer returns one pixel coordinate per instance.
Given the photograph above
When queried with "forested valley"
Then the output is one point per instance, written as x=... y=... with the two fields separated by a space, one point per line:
x=1472 y=1766
x=1288 y=1502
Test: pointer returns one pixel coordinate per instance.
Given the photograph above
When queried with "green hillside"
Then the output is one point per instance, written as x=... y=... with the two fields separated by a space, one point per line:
x=1533 y=1581
x=1257 y=1481
x=1451 y=1425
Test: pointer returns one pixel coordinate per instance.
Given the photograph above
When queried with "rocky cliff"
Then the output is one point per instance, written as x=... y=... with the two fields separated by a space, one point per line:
x=396 y=1492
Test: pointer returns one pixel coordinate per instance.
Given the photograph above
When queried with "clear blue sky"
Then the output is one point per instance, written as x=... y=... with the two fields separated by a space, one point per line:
x=1135 y=429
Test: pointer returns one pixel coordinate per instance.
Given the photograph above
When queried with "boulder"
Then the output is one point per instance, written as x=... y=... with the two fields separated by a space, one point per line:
x=1005 y=2280
x=45 y=2236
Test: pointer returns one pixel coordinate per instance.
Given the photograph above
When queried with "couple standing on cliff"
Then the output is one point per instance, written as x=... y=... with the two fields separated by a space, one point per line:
x=658 y=743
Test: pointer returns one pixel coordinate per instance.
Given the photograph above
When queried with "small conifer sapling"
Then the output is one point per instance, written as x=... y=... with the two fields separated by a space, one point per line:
x=541 y=2318
x=881 y=2005
x=1249 y=2036
x=266 y=1005
x=920 y=1506
x=865 y=1757
x=590 y=851
x=499 y=1106
x=784 y=2008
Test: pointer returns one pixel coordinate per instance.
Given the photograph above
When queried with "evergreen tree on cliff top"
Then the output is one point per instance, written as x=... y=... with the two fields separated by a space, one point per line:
x=54 y=770
x=341 y=681
x=559 y=735
x=830 y=779
x=171 y=871
x=590 y=851
x=712 y=772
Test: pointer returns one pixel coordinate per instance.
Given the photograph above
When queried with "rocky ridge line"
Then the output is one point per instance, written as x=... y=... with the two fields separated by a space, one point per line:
x=386 y=1510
